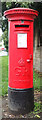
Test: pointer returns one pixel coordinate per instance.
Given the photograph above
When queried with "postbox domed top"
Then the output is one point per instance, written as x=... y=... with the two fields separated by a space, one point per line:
x=12 y=13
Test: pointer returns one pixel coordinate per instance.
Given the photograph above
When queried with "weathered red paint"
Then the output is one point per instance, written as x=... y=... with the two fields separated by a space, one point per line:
x=20 y=59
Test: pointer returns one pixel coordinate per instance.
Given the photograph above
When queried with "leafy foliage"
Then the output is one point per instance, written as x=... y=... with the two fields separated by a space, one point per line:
x=10 y=5
x=5 y=38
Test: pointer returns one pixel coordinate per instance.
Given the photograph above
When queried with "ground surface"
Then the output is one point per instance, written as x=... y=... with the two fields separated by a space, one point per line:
x=35 y=114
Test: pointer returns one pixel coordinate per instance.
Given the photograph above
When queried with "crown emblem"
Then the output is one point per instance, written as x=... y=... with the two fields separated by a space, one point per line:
x=21 y=62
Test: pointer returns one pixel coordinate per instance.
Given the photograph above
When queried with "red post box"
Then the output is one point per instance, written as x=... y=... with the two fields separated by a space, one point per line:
x=20 y=84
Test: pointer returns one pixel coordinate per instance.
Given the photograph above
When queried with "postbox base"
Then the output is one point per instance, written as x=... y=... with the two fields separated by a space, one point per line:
x=21 y=101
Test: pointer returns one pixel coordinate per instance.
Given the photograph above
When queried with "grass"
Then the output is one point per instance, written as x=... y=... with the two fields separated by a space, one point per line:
x=37 y=106
x=36 y=80
x=4 y=71
x=4 y=75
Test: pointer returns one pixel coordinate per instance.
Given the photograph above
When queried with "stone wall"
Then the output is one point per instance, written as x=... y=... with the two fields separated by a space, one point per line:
x=36 y=59
x=40 y=59
x=37 y=55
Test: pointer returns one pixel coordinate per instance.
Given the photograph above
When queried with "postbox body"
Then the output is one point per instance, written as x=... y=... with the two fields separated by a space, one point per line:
x=21 y=56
